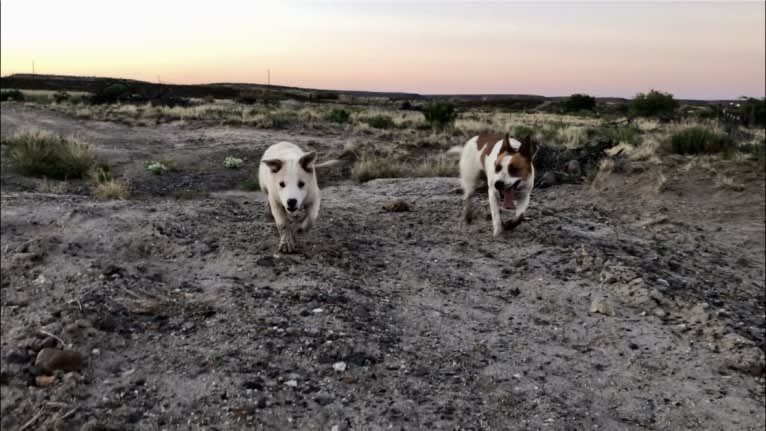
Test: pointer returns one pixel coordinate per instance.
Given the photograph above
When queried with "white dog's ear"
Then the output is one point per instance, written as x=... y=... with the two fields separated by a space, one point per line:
x=526 y=147
x=274 y=164
x=307 y=161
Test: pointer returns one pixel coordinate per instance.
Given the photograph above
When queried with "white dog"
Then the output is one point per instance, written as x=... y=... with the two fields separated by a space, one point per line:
x=287 y=174
x=507 y=164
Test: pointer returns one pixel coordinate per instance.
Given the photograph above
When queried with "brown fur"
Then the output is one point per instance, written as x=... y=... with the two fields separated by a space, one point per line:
x=486 y=141
x=521 y=164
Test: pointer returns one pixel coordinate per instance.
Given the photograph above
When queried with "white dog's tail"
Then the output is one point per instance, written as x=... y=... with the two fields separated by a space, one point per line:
x=457 y=149
x=328 y=164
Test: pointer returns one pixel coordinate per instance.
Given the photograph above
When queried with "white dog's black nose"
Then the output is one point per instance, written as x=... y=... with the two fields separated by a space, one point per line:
x=291 y=204
x=499 y=185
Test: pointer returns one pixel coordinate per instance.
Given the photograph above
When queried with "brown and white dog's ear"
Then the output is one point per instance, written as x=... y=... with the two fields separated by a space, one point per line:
x=274 y=164
x=307 y=161
x=526 y=147
x=507 y=139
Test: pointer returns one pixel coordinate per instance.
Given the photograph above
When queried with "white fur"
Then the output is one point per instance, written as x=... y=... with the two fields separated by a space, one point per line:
x=471 y=168
x=283 y=185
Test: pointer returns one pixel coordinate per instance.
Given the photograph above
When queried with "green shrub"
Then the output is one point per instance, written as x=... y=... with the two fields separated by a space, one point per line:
x=654 y=103
x=336 y=115
x=247 y=97
x=440 y=114
x=232 y=162
x=44 y=155
x=698 y=140
x=520 y=132
x=380 y=121
x=60 y=96
x=580 y=102
x=13 y=95
x=754 y=112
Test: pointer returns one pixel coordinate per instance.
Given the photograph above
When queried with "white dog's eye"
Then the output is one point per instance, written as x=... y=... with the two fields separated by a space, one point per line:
x=301 y=184
x=282 y=184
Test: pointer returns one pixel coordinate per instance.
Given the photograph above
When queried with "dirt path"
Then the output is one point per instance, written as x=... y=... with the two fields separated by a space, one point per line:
x=190 y=321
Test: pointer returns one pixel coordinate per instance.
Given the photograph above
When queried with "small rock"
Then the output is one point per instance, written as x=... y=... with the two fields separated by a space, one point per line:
x=291 y=383
x=602 y=307
x=55 y=359
x=397 y=206
x=339 y=366
x=317 y=310
x=573 y=168
x=659 y=312
x=548 y=179
x=663 y=282
x=43 y=381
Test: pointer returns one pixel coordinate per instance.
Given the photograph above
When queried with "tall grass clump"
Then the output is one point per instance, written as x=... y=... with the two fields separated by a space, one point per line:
x=44 y=155
x=699 y=140
x=370 y=167
x=437 y=167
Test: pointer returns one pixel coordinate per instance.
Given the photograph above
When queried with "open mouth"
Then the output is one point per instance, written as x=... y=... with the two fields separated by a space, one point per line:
x=508 y=197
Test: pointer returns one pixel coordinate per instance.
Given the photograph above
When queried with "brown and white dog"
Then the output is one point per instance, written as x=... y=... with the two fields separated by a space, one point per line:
x=507 y=164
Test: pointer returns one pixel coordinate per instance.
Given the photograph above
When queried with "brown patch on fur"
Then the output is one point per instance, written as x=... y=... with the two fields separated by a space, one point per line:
x=520 y=166
x=486 y=141
x=307 y=161
x=275 y=165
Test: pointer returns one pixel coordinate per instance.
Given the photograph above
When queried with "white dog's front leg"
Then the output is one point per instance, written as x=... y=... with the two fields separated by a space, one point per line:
x=286 y=234
x=312 y=213
x=494 y=209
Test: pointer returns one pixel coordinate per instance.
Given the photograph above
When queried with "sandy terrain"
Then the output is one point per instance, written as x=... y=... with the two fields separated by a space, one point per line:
x=385 y=320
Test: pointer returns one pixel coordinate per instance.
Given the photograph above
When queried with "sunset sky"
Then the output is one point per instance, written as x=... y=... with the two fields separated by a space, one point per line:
x=693 y=50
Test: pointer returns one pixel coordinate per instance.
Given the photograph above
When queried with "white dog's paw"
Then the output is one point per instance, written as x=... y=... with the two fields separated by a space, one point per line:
x=287 y=244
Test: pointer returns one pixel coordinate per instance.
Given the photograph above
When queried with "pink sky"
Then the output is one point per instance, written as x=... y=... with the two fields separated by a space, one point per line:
x=693 y=50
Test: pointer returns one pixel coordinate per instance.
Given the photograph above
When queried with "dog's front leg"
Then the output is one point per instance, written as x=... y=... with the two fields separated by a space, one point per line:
x=286 y=234
x=312 y=213
x=494 y=209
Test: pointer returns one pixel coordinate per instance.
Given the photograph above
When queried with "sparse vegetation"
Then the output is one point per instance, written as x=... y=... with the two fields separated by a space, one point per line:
x=11 y=95
x=232 y=162
x=336 y=115
x=652 y=104
x=440 y=115
x=45 y=155
x=157 y=168
x=440 y=166
x=369 y=167
x=699 y=140
x=104 y=186
x=250 y=184
x=380 y=121
x=754 y=112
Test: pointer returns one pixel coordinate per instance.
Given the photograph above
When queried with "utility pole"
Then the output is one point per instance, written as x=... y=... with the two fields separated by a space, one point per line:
x=33 y=67
x=268 y=77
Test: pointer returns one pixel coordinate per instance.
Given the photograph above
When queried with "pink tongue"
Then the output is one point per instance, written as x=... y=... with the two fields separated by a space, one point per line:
x=508 y=199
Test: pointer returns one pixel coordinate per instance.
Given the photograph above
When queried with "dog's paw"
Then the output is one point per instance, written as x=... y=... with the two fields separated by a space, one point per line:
x=511 y=224
x=287 y=245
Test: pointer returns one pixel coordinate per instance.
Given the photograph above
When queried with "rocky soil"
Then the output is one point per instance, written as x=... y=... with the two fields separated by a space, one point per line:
x=613 y=306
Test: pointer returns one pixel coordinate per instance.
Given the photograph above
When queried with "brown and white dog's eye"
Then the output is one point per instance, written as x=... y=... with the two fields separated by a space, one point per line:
x=498 y=167
x=282 y=184
x=301 y=184
x=513 y=170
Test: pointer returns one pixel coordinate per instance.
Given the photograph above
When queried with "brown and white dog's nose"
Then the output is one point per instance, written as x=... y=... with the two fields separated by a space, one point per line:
x=499 y=185
x=291 y=204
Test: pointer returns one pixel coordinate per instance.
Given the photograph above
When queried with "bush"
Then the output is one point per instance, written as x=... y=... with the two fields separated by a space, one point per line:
x=232 y=162
x=754 y=112
x=380 y=122
x=654 y=103
x=338 y=116
x=106 y=187
x=44 y=155
x=520 y=132
x=698 y=140
x=247 y=97
x=440 y=114
x=13 y=95
x=437 y=167
x=580 y=102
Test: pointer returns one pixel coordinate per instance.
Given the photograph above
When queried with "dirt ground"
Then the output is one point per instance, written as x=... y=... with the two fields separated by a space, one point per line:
x=385 y=320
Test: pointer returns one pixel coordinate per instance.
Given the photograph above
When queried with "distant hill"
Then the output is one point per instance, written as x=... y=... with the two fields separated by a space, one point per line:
x=26 y=81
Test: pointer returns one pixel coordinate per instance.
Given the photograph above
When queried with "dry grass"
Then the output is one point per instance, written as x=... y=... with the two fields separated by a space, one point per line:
x=41 y=154
x=52 y=186
x=111 y=189
x=369 y=167
x=441 y=166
